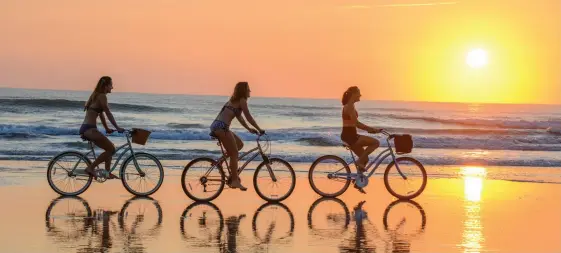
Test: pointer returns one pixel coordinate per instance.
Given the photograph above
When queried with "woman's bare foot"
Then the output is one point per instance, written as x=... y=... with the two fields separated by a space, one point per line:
x=235 y=183
x=361 y=168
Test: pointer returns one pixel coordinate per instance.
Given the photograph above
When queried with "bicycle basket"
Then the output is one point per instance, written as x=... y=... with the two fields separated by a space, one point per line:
x=140 y=136
x=403 y=143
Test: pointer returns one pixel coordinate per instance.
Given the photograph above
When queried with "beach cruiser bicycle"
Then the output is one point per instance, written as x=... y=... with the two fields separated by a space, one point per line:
x=142 y=174
x=203 y=178
x=404 y=178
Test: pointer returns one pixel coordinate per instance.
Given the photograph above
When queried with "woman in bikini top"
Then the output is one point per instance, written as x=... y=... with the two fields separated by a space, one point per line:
x=96 y=106
x=356 y=142
x=220 y=128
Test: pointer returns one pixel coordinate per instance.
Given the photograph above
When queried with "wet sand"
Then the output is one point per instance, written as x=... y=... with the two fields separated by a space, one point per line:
x=468 y=214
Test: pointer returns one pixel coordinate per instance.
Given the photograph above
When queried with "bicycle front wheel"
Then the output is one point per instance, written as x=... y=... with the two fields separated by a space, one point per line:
x=141 y=216
x=145 y=179
x=405 y=178
x=67 y=175
x=202 y=179
x=277 y=188
x=329 y=176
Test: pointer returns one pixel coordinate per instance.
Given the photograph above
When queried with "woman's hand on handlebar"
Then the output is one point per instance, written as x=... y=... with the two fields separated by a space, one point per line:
x=252 y=130
x=109 y=130
x=375 y=130
x=120 y=130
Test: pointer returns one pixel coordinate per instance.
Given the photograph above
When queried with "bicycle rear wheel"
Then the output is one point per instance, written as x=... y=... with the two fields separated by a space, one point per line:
x=67 y=218
x=202 y=179
x=201 y=224
x=409 y=181
x=274 y=190
x=66 y=174
x=328 y=218
x=145 y=180
x=328 y=176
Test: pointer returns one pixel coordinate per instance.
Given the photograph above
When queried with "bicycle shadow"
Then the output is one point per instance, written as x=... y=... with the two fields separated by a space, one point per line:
x=403 y=221
x=202 y=225
x=71 y=222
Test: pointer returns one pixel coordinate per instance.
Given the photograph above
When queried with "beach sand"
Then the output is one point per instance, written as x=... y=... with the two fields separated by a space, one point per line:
x=465 y=214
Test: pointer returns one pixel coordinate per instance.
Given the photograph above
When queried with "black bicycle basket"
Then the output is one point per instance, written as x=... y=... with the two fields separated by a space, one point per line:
x=403 y=143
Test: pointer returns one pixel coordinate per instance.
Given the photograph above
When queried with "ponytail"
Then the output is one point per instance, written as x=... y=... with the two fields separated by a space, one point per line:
x=348 y=94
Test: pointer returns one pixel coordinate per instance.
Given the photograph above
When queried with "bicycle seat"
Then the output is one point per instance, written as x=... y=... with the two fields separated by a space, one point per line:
x=213 y=136
x=84 y=138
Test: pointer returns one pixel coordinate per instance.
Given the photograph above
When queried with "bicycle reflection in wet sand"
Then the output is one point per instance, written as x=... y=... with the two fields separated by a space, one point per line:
x=71 y=223
x=404 y=221
x=202 y=225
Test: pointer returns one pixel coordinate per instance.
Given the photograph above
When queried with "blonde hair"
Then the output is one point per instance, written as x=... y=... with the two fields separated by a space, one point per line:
x=240 y=91
x=99 y=88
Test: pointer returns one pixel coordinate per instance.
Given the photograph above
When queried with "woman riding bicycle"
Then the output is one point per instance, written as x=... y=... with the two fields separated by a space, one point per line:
x=349 y=135
x=220 y=128
x=96 y=106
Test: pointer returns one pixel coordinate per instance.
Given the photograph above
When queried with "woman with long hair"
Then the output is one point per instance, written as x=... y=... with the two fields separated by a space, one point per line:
x=220 y=128
x=95 y=107
x=361 y=145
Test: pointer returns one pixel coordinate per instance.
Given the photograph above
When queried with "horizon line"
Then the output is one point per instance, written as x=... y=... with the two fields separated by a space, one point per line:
x=321 y=98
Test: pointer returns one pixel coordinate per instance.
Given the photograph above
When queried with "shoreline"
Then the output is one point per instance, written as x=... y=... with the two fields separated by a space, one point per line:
x=452 y=215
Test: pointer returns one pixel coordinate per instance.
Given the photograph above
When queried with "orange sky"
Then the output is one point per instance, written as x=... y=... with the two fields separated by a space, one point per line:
x=394 y=50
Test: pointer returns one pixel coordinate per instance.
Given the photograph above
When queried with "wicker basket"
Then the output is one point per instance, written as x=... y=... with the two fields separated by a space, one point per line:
x=403 y=144
x=140 y=136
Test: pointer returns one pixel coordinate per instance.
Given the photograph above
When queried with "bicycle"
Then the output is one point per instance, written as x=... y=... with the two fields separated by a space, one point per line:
x=79 y=181
x=403 y=220
x=202 y=225
x=197 y=175
x=331 y=168
x=69 y=219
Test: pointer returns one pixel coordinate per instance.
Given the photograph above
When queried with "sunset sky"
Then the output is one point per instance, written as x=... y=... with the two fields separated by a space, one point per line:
x=392 y=49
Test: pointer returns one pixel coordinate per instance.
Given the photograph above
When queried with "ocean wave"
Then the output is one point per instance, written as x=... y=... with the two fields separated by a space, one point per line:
x=13 y=105
x=493 y=123
x=328 y=136
x=189 y=154
x=319 y=141
x=185 y=125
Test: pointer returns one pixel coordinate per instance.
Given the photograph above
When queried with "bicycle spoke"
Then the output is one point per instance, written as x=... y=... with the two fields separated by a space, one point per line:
x=144 y=179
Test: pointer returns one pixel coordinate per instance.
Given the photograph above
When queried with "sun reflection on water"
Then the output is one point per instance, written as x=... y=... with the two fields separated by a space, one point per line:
x=473 y=229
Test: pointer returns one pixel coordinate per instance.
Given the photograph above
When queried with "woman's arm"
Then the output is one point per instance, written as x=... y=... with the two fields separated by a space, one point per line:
x=105 y=106
x=104 y=122
x=247 y=114
x=244 y=124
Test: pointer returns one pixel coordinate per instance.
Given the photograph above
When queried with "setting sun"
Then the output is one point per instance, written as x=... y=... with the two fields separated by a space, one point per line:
x=476 y=58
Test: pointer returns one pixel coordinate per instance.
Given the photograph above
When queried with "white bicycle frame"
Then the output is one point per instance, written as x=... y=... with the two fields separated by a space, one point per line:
x=126 y=148
x=378 y=160
x=259 y=150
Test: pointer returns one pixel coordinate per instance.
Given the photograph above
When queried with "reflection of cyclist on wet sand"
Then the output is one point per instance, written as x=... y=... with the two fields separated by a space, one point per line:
x=359 y=244
x=233 y=225
x=72 y=215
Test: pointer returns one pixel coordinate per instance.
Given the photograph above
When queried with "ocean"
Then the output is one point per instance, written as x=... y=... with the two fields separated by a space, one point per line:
x=35 y=125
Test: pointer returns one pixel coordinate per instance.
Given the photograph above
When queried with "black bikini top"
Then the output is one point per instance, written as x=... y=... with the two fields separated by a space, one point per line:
x=237 y=111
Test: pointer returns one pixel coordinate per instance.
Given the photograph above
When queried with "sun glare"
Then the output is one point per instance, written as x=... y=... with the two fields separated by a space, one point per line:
x=476 y=58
